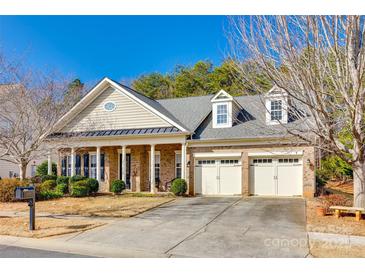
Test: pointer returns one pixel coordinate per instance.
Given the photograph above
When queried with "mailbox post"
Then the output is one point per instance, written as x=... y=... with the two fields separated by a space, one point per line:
x=27 y=193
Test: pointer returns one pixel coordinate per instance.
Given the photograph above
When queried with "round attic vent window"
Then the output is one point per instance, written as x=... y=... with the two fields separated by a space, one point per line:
x=109 y=106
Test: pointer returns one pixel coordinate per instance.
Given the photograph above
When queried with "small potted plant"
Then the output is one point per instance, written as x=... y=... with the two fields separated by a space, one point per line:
x=322 y=207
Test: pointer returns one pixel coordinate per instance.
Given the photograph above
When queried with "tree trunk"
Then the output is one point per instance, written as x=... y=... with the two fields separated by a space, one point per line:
x=359 y=184
x=23 y=171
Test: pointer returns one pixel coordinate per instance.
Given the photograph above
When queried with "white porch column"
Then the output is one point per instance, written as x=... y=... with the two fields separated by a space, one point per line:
x=124 y=164
x=98 y=162
x=49 y=163
x=72 y=161
x=152 y=168
x=183 y=161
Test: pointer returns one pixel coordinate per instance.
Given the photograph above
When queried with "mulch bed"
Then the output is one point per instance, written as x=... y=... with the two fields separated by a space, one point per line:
x=330 y=224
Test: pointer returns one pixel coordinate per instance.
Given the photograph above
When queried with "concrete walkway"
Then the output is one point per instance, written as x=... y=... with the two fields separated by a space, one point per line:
x=194 y=227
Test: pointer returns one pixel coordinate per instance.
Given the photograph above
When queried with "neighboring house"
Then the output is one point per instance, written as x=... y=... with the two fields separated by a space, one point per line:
x=10 y=170
x=222 y=145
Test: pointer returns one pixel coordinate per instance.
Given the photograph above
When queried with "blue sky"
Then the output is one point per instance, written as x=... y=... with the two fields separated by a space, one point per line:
x=120 y=47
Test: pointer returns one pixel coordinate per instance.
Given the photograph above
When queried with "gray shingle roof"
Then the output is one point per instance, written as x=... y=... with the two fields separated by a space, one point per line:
x=191 y=111
x=195 y=113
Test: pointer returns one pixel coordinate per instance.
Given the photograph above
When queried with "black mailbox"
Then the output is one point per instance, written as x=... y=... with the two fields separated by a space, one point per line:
x=27 y=193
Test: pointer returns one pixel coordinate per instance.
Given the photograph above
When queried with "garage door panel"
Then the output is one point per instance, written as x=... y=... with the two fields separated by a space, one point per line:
x=230 y=180
x=210 y=183
x=281 y=176
x=218 y=177
x=198 y=180
x=289 y=180
x=262 y=180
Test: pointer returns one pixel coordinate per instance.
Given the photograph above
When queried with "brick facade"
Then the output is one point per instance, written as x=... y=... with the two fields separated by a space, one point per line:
x=140 y=164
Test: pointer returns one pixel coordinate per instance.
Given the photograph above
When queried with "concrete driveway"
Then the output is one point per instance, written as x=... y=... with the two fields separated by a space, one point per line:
x=209 y=227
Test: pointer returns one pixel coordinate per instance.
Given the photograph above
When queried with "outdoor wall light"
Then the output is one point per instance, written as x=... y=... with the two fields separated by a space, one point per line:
x=308 y=161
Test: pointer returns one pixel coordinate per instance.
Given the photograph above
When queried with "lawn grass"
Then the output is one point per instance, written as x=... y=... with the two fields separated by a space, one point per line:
x=125 y=205
x=45 y=226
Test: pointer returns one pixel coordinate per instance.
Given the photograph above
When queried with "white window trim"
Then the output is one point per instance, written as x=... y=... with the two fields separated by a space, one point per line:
x=178 y=152
x=157 y=153
x=229 y=115
x=284 y=112
x=120 y=151
x=279 y=102
x=92 y=154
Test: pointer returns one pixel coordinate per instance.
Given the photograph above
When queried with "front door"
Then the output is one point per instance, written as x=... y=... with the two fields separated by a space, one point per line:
x=128 y=170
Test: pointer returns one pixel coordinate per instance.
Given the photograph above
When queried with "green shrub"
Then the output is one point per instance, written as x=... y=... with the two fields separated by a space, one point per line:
x=7 y=188
x=80 y=189
x=179 y=187
x=49 y=194
x=48 y=177
x=93 y=185
x=333 y=167
x=76 y=178
x=62 y=180
x=117 y=186
x=61 y=188
x=42 y=169
x=47 y=185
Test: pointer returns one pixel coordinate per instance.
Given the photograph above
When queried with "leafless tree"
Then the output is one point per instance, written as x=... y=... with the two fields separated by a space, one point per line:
x=31 y=102
x=320 y=62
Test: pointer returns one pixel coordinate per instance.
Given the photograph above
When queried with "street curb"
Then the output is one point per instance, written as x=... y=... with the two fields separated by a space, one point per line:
x=89 y=249
x=337 y=238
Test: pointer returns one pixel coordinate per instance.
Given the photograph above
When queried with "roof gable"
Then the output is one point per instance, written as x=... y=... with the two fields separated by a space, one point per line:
x=222 y=96
x=132 y=110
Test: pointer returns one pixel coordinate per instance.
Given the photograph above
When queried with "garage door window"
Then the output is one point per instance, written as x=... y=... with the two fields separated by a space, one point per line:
x=206 y=162
x=262 y=161
x=229 y=162
x=288 y=160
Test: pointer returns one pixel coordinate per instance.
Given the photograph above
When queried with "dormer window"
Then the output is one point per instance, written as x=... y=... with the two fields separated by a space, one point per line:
x=276 y=110
x=224 y=110
x=276 y=102
x=222 y=114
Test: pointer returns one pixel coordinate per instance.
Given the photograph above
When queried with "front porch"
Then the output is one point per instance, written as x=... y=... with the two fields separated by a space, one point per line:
x=143 y=167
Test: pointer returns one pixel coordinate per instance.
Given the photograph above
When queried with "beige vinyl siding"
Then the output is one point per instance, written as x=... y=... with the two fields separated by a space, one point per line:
x=127 y=114
x=6 y=167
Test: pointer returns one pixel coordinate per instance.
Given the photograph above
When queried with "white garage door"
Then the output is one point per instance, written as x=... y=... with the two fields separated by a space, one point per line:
x=282 y=176
x=218 y=177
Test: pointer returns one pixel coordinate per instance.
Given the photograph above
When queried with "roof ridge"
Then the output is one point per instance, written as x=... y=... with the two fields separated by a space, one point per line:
x=136 y=91
x=185 y=97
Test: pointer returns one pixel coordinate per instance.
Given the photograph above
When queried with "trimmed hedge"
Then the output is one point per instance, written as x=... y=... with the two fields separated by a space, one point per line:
x=48 y=177
x=7 y=188
x=62 y=180
x=47 y=185
x=77 y=178
x=49 y=194
x=93 y=185
x=179 y=187
x=80 y=189
x=118 y=186
x=61 y=188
